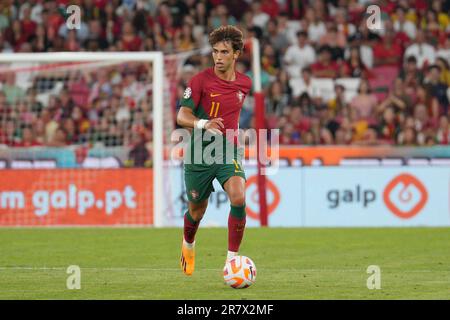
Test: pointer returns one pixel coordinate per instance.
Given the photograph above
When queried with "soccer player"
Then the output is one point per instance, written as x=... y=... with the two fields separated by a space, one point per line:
x=212 y=104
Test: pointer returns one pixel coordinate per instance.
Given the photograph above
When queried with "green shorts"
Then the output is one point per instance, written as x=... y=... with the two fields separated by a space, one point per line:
x=199 y=178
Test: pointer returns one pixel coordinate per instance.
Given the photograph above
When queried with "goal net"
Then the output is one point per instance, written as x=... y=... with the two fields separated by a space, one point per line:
x=82 y=138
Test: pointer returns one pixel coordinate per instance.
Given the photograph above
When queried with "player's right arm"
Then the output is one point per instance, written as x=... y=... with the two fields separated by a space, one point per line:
x=189 y=103
x=187 y=119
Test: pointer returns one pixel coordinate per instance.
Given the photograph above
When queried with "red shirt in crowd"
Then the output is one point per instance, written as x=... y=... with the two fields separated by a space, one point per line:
x=133 y=44
x=381 y=51
x=321 y=70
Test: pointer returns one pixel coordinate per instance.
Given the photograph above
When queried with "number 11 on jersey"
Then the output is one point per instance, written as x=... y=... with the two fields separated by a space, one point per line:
x=214 y=109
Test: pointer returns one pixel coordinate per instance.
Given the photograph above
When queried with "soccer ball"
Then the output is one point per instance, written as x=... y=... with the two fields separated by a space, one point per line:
x=239 y=272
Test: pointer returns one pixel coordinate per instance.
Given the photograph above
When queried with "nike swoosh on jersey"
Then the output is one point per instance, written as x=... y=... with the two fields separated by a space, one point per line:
x=212 y=95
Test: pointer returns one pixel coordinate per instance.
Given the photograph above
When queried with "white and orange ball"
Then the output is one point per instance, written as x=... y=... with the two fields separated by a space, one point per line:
x=239 y=272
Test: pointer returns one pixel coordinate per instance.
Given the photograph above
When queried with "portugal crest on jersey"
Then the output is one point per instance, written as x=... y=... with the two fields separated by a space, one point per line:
x=240 y=96
x=194 y=194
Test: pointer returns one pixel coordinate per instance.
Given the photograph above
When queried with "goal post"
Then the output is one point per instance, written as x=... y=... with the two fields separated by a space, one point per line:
x=157 y=61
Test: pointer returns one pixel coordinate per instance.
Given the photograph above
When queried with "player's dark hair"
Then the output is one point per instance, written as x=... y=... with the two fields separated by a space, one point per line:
x=227 y=33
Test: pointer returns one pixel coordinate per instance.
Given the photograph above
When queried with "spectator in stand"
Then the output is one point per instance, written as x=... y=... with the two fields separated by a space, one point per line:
x=443 y=17
x=364 y=103
x=401 y=23
x=388 y=52
x=269 y=60
x=364 y=35
x=15 y=36
x=444 y=71
x=129 y=40
x=260 y=18
x=184 y=40
x=96 y=39
x=59 y=139
x=335 y=40
x=289 y=135
x=25 y=115
x=315 y=26
x=424 y=97
x=303 y=84
x=407 y=137
x=299 y=55
x=343 y=24
x=12 y=92
x=338 y=103
x=139 y=154
x=325 y=67
x=276 y=37
x=28 y=26
x=430 y=24
x=422 y=51
x=388 y=126
x=300 y=121
x=411 y=75
x=437 y=88
x=7 y=133
x=354 y=67
x=421 y=119
x=28 y=139
x=398 y=100
x=66 y=104
x=443 y=131
x=271 y=7
x=220 y=17
x=276 y=100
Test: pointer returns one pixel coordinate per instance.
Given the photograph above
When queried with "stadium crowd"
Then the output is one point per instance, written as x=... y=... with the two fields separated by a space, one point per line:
x=401 y=67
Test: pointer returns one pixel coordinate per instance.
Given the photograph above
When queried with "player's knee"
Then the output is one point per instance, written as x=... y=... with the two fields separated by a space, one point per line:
x=237 y=199
x=198 y=211
x=197 y=214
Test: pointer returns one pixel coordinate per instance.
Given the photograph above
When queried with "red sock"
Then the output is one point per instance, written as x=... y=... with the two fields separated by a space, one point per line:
x=190 y=227
x=236 y=227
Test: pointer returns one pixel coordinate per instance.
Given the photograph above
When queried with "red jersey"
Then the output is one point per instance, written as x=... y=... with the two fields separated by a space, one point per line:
x=211 y=97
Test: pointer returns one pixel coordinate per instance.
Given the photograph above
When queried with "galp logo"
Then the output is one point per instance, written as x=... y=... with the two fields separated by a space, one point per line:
x=273 y=197
x=405 y=196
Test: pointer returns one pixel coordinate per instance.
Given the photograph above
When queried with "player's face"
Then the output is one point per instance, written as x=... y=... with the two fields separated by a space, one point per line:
x=224 y=56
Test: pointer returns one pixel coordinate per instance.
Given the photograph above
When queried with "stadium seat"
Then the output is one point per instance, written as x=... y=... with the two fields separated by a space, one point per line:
x=97 y=163
x=440 y=162
x=22 y=164
x=418 y=162
x=323 y=87
x=44 y=164
x=283 y=162
x=391 y=162
x=317 y=162
x=351 y=87
x=359 y=162
x=298 y=162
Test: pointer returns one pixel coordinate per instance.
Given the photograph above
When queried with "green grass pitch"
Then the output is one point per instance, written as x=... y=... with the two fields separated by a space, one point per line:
x=296 y=263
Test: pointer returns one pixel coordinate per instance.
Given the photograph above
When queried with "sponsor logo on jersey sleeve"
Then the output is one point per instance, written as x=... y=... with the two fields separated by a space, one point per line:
x=187 y=93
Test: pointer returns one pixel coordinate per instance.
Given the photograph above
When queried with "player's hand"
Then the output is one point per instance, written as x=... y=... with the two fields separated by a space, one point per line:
x=214 y=126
